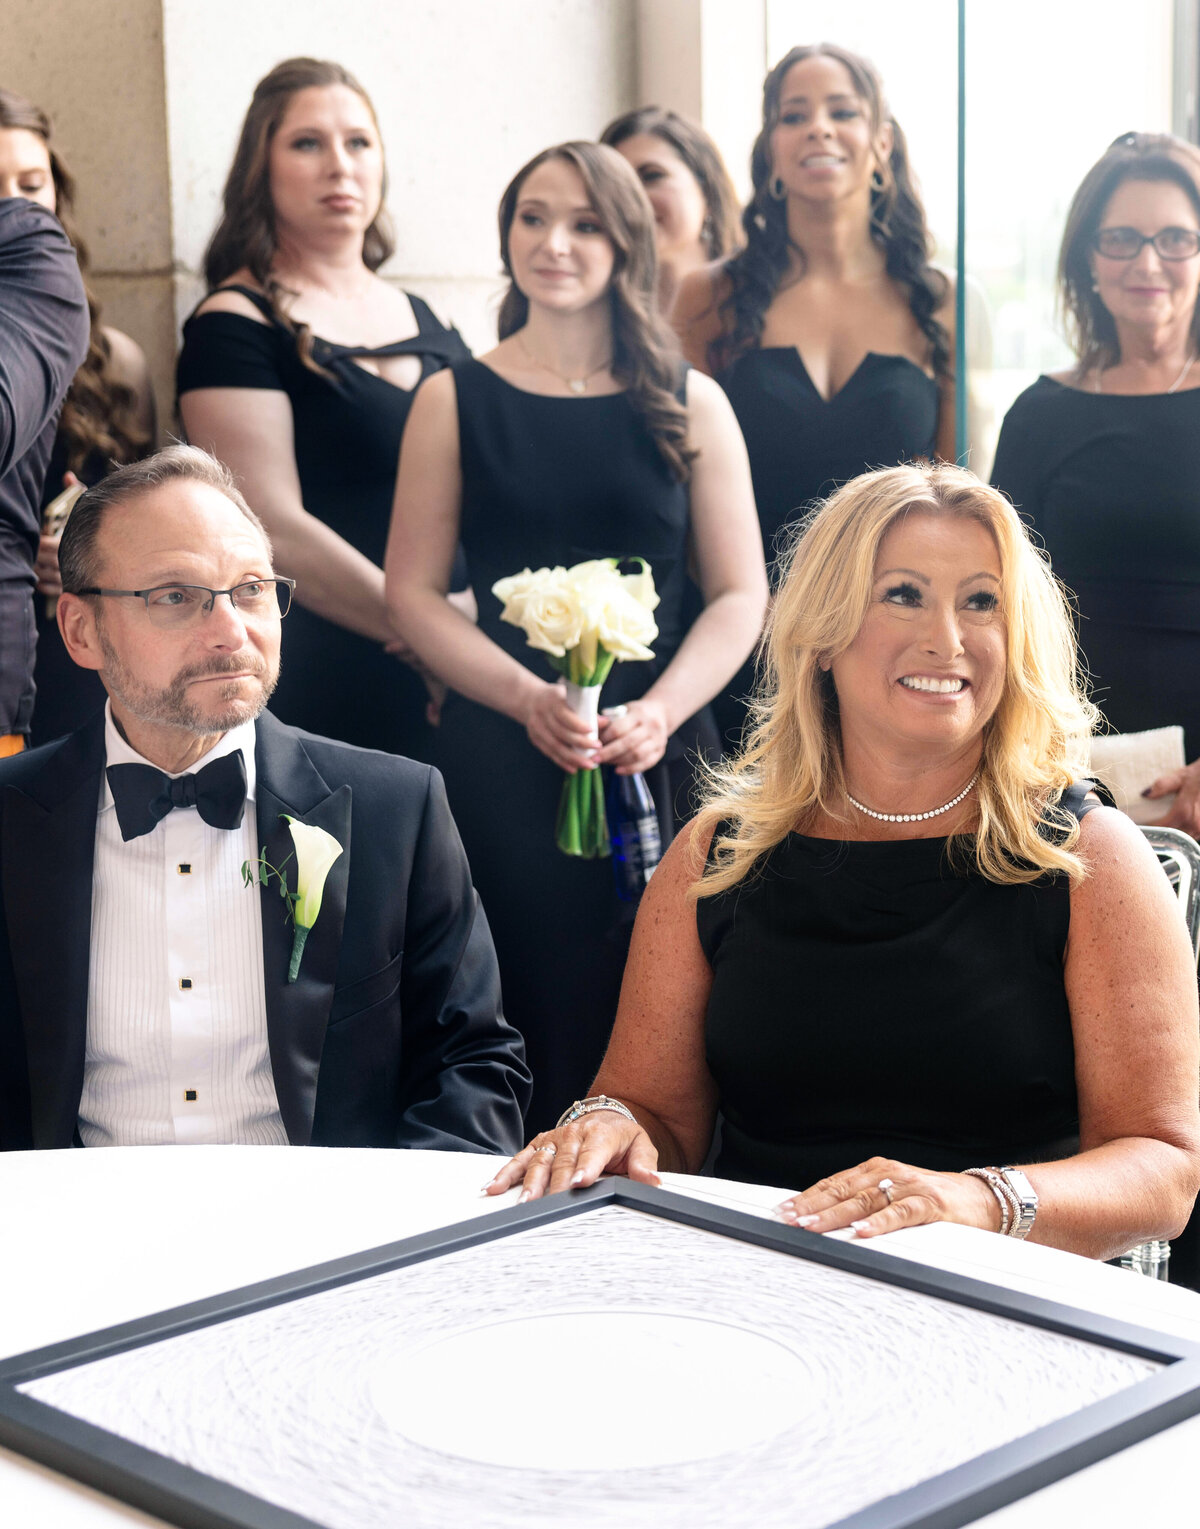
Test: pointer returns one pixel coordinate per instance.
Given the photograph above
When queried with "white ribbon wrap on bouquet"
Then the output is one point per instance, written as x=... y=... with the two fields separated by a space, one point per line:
x=584 y=701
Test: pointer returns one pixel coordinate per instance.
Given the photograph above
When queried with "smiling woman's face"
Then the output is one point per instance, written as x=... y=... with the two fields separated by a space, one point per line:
x=928 y=664
x=823 y=145
x=1148 y=291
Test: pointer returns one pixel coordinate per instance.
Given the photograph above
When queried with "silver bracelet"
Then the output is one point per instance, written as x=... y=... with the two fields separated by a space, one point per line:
x=583 y=1107
x=1010 y=1208
x=1026 y=1199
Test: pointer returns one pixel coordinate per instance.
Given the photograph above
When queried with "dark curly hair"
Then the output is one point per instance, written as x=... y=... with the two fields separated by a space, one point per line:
x=722 y=232
x=245 y=235
x=645 y=353
x=897 y=224
x=1131 y=157
x=98 y=414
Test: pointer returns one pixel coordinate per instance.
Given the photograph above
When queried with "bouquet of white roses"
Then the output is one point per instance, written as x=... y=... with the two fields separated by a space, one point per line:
x=584 y=619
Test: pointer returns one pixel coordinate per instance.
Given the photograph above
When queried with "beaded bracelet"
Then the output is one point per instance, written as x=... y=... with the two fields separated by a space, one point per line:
x=1010 y=1206
x=583 y=1107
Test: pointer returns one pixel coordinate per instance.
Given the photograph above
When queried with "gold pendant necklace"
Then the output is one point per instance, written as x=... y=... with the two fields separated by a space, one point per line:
x=577 y=385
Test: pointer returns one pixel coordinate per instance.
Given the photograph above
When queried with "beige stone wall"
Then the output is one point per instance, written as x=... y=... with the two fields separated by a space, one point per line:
x=466 y=91
x=97 y=67
x=147 y=98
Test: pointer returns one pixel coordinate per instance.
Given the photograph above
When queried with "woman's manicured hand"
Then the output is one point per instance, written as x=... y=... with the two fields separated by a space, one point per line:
x=577 y=1154
x=854 y=1199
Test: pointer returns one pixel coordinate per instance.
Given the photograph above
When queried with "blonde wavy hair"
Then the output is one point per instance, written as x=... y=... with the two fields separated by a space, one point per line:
x=1034 y=746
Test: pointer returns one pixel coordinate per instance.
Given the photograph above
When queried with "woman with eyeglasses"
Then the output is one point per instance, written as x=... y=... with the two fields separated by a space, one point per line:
x=1104 y=458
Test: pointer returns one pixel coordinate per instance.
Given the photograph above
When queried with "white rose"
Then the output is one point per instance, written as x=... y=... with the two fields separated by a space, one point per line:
x=552 y=617
x=515 y=590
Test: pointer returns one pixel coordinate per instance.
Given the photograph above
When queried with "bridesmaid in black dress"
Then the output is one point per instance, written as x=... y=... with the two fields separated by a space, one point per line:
x=580 y=436
x=830 y=332
x=298 y=372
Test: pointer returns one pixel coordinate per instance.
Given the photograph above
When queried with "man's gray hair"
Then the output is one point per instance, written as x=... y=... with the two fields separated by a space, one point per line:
x=77 y=550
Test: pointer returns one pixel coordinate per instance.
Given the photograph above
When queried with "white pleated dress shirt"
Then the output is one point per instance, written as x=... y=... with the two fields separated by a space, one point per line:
x=177 y=1016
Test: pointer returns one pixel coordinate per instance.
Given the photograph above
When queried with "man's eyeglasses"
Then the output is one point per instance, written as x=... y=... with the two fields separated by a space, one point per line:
x=181 y=605
x=1126 y=243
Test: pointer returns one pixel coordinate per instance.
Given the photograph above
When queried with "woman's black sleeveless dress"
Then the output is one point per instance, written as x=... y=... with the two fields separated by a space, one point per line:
x=868 y=999
x=1111 y=486
x=549 y=481
x=348 y=427
x=802 y=446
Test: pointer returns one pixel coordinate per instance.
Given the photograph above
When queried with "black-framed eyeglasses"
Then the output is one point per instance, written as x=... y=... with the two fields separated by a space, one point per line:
x=1126 y=243
x=181 y=605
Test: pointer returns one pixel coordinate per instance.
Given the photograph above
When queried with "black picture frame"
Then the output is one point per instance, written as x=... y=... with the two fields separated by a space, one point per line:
x=186 y=1497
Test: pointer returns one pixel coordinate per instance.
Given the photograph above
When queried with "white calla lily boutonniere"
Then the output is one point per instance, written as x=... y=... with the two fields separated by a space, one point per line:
x=315 y=852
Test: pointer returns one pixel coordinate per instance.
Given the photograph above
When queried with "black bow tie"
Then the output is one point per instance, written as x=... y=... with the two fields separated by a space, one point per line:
x=143 y=795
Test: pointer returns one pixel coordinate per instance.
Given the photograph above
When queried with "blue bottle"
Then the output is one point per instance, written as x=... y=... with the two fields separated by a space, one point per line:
x=633 y=829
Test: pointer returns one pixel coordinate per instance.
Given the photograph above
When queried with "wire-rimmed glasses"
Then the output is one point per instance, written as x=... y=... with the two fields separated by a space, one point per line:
x=173 y=606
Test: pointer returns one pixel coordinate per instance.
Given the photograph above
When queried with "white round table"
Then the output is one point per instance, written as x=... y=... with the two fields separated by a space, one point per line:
x=96 y=1238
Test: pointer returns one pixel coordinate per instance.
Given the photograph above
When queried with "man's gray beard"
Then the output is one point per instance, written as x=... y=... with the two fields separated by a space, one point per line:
x=171 y=707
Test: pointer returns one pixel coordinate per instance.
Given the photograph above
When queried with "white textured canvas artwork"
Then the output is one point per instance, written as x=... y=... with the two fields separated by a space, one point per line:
x=614 y=1370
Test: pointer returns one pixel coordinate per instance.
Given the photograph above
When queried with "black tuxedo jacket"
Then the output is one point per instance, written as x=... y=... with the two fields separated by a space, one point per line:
x=392 y=1036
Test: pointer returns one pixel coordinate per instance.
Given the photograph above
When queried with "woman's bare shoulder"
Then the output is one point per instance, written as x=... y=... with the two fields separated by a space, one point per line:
x=128 y=363
x=701 y=294
x=223 y=300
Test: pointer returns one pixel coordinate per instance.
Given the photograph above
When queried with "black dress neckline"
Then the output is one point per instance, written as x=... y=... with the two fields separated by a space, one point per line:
x=549 y=397
x=868 y=362
x=426 y=341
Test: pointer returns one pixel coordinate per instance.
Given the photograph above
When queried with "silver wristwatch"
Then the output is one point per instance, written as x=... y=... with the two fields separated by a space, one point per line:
x=1026 y=1198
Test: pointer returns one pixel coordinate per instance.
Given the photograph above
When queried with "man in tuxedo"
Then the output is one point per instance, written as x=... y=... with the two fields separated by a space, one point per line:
x=144 y=992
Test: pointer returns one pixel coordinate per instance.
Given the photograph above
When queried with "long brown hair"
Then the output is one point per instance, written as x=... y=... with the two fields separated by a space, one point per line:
x=245 y=236
x=1136 y=157
x=898 y=223
x=645 y=354
x=722 y=230
x=98 y=411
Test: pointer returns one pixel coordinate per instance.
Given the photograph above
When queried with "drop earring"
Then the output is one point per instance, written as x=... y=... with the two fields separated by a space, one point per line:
x=877 y=180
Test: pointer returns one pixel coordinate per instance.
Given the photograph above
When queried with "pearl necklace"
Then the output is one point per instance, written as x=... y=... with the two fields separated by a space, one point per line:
x=577 y=385
x=914 y=817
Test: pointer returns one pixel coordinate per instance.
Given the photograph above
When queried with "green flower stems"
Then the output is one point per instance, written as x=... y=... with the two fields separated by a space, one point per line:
x=581 y=827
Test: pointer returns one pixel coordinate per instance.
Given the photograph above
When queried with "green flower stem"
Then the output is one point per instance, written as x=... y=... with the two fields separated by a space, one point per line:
x=298 y=940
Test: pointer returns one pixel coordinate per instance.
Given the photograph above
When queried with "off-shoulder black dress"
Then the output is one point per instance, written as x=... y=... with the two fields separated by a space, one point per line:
x=348 y=427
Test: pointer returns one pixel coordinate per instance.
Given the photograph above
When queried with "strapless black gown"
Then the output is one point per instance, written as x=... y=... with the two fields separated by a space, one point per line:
x=803 y=446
